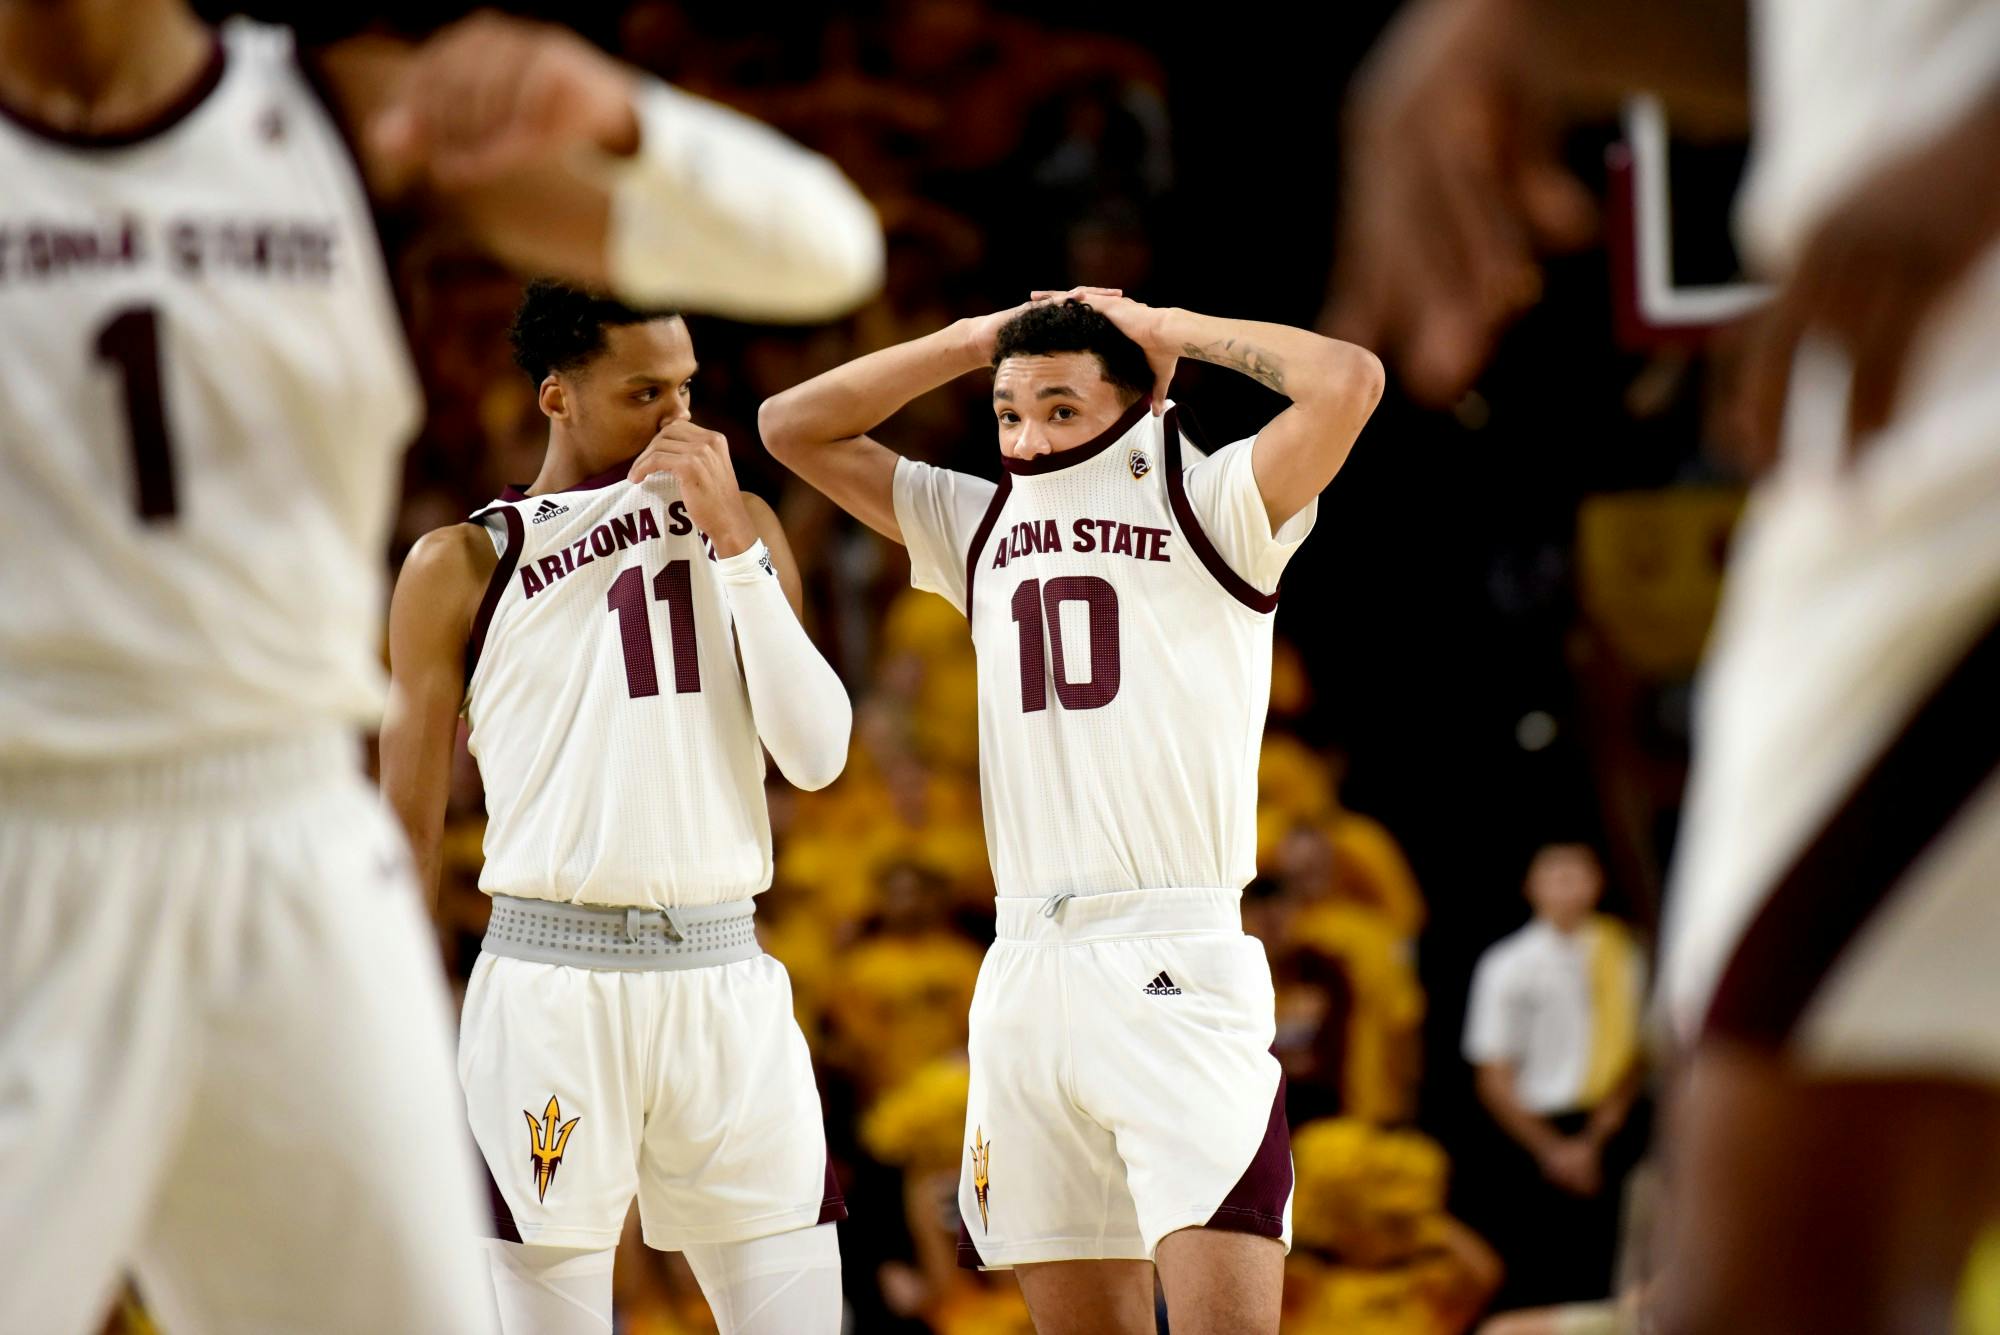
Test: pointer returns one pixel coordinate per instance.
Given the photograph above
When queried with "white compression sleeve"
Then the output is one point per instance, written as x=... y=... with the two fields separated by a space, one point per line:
x=718 y=212
x=801 y=708
x=550 y=1290
x=786 y=1284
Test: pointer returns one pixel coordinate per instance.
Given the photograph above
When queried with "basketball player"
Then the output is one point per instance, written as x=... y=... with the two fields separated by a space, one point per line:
x=1832 y=924
x=223 y=1053
x=1120 y=585
x=589 y=626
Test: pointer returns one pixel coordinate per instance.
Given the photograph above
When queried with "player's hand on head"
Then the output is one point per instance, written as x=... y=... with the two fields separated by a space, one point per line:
x=1143 y=324
x=983 y=330
x=699 y=460
x=1454 y=187
x=491 y=94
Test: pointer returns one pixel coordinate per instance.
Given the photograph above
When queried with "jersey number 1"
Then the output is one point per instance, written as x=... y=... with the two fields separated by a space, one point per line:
x=1036 y=606
x=673 y=586
x=131 y=342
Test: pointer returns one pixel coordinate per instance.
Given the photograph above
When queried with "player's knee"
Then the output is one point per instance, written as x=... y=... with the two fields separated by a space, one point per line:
x=551 y=1290
x=783 y=1284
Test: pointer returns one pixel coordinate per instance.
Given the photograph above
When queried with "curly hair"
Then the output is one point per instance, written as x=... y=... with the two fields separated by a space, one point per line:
x=1071 y=326
x=559 y=328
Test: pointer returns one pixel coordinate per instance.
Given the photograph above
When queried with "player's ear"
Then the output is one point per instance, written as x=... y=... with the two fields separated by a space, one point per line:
x=554 y=400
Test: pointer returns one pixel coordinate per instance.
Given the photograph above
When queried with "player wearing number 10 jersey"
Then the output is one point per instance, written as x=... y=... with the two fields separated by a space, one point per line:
x=1120 y=585
x=623 y=1032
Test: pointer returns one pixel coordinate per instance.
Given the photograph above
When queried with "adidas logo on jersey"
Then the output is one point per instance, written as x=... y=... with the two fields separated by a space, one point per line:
x=548 y=509
x=1161 y=986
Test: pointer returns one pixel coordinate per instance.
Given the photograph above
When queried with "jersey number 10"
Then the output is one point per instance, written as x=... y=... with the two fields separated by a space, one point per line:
x=1037 y=609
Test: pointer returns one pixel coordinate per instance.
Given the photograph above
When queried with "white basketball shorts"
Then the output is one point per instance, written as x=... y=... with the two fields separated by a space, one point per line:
x=1123 y=1085
x=225 y=1054
x=1836 y=892
x=691 y=1088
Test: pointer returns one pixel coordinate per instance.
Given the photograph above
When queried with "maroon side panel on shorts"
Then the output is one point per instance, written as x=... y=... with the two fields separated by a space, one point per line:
x=1256 y=1204
x=968 y=1254
x=504 y=1227
x=1947 y=750
x=832 y=1206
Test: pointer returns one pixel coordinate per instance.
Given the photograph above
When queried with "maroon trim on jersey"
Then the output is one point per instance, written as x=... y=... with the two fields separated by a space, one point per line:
x=503 y=573
x=833 y=1205
x=166 y=118
x=518 y=491
x=968 y=1252
x=1233 y=584
x=1256 y=1204
x=1909 y=798
x=980 y=534
x=1058 y=460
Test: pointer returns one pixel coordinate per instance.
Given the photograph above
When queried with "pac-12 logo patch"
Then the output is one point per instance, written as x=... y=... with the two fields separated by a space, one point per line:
x=982 y=1156
x=1140 y=464
x=547 y=1143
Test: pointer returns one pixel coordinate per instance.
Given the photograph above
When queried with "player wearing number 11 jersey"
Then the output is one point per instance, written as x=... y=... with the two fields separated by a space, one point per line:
x=1120 y=584
x=618 y=636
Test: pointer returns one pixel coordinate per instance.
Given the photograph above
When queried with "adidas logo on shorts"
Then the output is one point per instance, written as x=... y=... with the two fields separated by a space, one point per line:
x=548 y=509
x=1161 y=986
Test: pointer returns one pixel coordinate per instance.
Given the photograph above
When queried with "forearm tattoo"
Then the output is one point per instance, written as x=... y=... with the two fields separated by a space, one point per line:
x=1250 y=359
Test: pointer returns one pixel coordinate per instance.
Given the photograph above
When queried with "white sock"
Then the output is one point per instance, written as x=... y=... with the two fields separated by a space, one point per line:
x=786 y=1284
x=550 y=1290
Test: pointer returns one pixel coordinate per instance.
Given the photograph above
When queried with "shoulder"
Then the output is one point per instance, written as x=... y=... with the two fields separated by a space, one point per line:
x=1509 y=953
x=448 y=565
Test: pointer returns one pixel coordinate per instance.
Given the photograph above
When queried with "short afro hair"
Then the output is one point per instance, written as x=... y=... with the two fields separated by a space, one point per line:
x=1070 y=326
x=559 y=328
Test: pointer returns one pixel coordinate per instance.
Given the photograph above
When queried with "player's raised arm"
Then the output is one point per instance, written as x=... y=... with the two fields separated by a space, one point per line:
x=561 y=160
x=430 y=618
x=801 y=709
x=1333 y=386
x=819 y=429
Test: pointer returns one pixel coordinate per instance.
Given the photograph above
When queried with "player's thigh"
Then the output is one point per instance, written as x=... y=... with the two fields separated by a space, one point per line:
x=99 y=1028
x=1809 y=1204
x=735 y=1140
x=550 y=1058
x=1182 y=1074
x=324 y=1180
x=1089 y=1297
x=1221 y=1282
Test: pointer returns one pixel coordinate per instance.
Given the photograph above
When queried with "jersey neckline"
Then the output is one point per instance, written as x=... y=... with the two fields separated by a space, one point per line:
x=1058 y=460
x=184 y=104
x=518 y=491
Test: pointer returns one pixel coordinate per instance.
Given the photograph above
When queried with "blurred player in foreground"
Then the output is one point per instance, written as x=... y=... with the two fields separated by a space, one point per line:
x=1832 y=923
x=589 y=626
x=1125 y=1108
x=224 y=1059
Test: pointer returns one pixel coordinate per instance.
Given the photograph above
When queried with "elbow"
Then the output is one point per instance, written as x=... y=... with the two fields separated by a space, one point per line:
x=778 y=426
x=824 y=763
x=840 y=266
x=1357 y=377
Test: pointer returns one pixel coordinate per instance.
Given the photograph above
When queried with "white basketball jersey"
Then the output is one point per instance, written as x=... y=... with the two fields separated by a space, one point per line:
x=1124 y=665
x=608 y=711
x=204 y=393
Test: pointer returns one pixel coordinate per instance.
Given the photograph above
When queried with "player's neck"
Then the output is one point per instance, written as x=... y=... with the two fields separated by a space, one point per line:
x=99 y=65
x=566 y=464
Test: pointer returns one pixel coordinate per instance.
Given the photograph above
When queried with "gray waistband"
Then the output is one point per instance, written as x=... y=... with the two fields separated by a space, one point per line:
x=547 y=932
